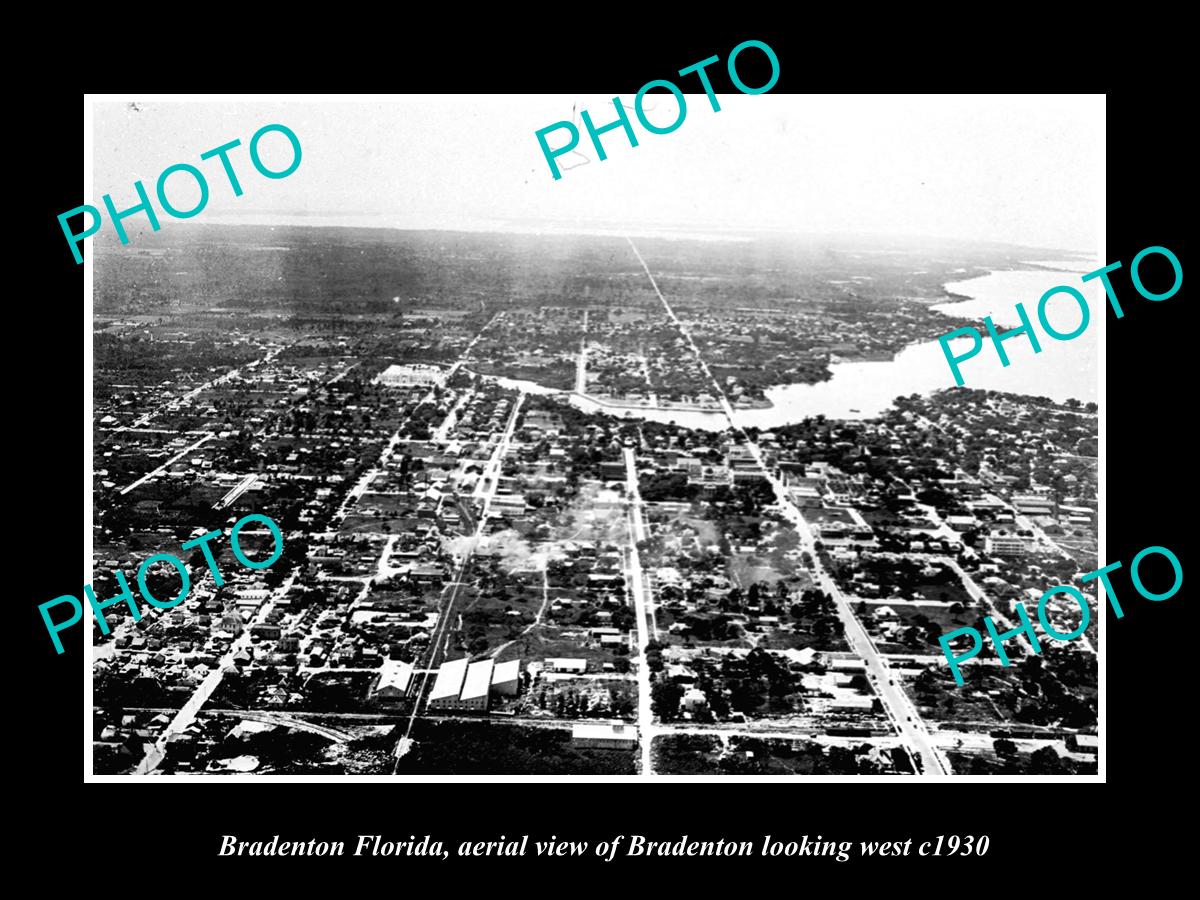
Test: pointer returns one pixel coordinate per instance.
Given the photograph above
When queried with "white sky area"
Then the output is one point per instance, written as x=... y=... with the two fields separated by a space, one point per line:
x=1023 y=170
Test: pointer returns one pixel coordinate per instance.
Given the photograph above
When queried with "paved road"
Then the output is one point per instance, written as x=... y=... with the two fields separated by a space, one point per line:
x=338 y=377
x=236 y=491
x=205 y=689
x=637 y=586
x=184 y=452
x=363 y=483
x=897 y=704
x=379 y=718
x=816 y=736
x=440 y=638
x=489 y=481
x=439 y=436
x=581 y=365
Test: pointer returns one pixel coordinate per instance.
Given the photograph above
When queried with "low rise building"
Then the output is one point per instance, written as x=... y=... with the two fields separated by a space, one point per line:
x=847 y=664
x=411 y=375
x=573 y=666
x=448 y=684
x=851 y=704
x=1004 y=545
x=506 y=678
x=395 y=678
x=1083 y=743
x=476 y=686
x=604 y=736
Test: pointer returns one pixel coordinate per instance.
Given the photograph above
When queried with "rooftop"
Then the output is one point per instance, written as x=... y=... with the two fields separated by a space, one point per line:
x=506 y=671
x=479 y=679
x=449 y=680
x=395 y=674
x=604 y=731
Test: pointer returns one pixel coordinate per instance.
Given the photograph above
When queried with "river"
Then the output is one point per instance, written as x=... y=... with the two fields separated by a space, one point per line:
x=861 y=390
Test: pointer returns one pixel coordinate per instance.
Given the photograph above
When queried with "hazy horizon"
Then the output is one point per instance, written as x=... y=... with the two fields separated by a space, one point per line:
x=645 y=230
x=1019 y=171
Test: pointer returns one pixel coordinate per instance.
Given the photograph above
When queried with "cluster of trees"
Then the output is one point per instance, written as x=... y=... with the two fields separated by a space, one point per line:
x=576 y=422
x=616 y=379
x=559 y=374
x=725 y=503
x=113 y=692
x=756 y=597
x=664 y=699
x=905 y=577
x=571 y=704
x=753 y=381
x=1038 y=415
x=712 y=628
x=140 y=359
x=488 y=748
x=760 y=679
x=662 y=432
x=1055 y=688
x=667 y=486
x=924 y=633
x=684 y=754
x=1010 y=761
x=1059 y=688
x=760 y=682
x=654 y=658
x=815 y=614
x=621 y=616
x=852 y=449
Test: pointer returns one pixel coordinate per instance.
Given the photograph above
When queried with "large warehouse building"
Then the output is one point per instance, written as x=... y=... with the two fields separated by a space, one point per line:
x=506 y=678
x=448 y=684
x=475 y=688
x=466 y=685
x=411 y=375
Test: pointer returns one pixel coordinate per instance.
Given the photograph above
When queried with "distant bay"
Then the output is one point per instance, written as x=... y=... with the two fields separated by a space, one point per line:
x=863 y=390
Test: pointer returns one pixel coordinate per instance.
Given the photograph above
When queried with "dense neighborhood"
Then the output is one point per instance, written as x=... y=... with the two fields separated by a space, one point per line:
x=509 y=551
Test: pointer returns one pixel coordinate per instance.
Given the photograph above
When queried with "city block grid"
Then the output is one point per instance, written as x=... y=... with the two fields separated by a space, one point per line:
x=528 y=530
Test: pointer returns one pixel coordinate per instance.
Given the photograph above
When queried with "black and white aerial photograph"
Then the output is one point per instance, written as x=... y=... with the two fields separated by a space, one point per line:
x=709 y=457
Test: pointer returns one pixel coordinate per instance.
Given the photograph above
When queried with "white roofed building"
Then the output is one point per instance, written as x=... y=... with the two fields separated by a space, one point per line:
x=476 y=686
x=395 y=678
x=852 y=704
x=605 y=736
x=575 y=666
x=506 y=678
x=410 y=375
x=448 y=685
x=847 y=664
